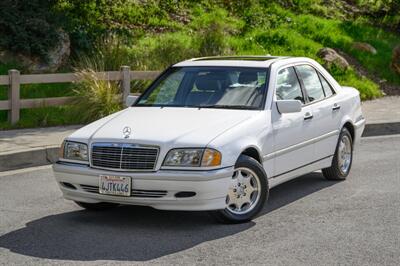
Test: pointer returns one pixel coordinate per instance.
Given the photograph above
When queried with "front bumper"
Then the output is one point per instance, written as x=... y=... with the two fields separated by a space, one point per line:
x=358 y=130
x=210 y=187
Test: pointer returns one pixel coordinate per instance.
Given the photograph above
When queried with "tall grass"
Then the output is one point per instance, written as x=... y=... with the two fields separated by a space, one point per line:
x=108 y=53
x=158 y=52
x=43 y=117
x=95 y=98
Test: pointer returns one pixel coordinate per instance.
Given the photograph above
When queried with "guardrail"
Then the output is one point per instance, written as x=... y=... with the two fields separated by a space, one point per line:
x=14 y=79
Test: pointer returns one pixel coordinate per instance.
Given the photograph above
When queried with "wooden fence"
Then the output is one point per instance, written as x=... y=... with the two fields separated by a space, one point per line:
x=14 y=79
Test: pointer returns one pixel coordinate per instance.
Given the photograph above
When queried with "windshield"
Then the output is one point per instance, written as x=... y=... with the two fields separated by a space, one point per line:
x=208 y=87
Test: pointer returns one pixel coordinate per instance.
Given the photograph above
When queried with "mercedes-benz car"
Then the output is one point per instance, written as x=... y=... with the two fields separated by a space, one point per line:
x=215 y=134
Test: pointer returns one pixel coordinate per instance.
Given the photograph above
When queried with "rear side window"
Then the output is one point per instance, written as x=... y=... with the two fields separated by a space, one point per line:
x=288 y=86
x=311 y=82
x=327 y=88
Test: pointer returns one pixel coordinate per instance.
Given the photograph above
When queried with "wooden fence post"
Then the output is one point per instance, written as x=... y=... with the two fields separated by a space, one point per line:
x=125 y=82
x=14 y=96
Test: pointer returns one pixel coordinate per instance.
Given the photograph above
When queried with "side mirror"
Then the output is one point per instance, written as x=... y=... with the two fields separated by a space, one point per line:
x=288 y=106
x=131 y=99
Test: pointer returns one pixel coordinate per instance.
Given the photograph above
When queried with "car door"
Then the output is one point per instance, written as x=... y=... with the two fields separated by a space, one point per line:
x=291 y=131
x=325 y=110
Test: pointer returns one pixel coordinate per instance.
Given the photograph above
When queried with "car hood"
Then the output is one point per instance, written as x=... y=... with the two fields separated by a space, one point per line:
x=172 y=125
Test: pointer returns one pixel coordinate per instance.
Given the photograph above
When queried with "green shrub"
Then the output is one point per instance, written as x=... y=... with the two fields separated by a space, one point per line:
x=384 y=12
x=160 y=51
x=29 y=27
x=109 y=53
x=42 y=117
x=96 y=98
x=368 y=89
x=211 y=41
x=4 y=67
x=89 y=20
x=213 y=28
x=283 y=41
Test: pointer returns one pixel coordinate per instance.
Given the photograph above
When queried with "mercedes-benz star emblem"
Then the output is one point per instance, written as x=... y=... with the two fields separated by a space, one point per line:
x=127 y=132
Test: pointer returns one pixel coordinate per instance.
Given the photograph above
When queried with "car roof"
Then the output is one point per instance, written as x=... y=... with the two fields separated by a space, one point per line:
x=233 y=61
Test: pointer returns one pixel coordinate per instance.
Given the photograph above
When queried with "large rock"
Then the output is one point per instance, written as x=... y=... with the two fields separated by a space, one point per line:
x=396 y=59
x=331 y=57
x=365 y=47
x=56 y=57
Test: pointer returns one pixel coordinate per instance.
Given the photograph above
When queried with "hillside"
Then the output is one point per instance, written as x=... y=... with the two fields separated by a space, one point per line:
x=151 y=35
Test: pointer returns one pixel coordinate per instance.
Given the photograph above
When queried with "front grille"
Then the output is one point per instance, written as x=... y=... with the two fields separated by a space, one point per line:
x=134 y=192
x=124 y=156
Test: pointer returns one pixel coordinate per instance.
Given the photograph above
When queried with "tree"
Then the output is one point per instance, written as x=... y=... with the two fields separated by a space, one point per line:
x=29 y=27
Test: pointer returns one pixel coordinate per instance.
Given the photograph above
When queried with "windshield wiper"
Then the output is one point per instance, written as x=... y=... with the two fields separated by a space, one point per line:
x=219 y=106
x=226 y=106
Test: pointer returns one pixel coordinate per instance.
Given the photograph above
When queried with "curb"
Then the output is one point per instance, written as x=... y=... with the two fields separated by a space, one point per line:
x=49 y=155
x=381 y=129
x=28 y=158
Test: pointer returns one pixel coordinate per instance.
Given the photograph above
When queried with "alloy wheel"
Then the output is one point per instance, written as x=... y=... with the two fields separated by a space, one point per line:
x=344 y=154
x=244 y=191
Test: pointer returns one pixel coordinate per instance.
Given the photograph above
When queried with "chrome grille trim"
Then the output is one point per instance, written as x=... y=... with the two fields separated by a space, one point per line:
x=123 y=156
x=139 y=193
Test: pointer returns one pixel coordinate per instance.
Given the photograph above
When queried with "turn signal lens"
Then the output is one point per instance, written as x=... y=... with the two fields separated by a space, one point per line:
x=211 y=158
x=61 y=150
x=195 y=157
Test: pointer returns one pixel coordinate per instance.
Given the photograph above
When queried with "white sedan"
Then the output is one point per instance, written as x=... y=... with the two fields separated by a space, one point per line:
x=215 y=134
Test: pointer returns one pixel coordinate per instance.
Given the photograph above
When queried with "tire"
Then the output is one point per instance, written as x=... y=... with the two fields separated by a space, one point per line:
x=249 y=183
x=343 y=159
x=96 y=206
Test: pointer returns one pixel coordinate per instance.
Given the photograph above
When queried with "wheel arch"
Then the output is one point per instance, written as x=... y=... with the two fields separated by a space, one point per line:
x=350 y=127
x=252 y=152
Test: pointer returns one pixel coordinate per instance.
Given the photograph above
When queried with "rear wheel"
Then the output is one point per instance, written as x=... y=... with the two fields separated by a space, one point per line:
x=343 y=158
x=247 y=192
x=96 y=206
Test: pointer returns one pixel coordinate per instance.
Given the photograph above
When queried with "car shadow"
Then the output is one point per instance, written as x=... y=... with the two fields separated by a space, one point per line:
x=131 y=233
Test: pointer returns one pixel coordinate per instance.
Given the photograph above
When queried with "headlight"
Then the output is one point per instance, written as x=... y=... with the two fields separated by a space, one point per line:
x=193 y=157
x=74 y=151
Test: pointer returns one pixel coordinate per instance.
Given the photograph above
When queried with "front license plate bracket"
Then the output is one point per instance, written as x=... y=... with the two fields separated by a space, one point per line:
x=115 y=185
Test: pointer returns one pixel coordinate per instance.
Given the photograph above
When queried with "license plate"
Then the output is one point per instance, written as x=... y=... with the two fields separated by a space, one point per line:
x=115 y=185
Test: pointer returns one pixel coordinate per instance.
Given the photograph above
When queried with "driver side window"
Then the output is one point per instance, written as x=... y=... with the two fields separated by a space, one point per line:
x=288 y=85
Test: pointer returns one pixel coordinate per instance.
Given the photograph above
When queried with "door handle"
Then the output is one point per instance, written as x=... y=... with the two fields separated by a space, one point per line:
x=335 y=107
x=308 y=116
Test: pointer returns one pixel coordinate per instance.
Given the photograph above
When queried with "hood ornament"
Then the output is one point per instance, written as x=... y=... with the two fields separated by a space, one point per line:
x=127 y=132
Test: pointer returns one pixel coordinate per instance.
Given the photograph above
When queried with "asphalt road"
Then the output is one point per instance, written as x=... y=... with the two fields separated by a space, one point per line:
x=308 y=221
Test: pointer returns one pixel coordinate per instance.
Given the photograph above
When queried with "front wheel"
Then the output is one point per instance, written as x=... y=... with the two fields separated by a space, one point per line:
x=343 y=158
x=247 y=192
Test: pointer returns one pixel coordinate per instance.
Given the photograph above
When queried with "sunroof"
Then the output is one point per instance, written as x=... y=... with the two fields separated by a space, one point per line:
x=241 y=57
